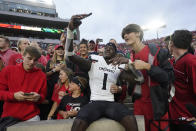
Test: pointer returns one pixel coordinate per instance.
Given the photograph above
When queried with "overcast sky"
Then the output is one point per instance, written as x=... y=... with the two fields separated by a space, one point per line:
x=110 y=16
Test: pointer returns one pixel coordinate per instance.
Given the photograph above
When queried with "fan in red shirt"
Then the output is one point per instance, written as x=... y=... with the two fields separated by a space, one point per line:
x=185 y=80
x=157 y=75
x=5 y=51
x=22 y=87
x=17 y=58
x=60 y=90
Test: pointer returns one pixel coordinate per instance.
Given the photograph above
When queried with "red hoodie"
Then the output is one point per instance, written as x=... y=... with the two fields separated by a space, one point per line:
x=14 y=79
x=6 y=55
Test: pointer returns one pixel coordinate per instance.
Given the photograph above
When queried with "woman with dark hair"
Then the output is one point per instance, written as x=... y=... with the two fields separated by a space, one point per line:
x=83 y=50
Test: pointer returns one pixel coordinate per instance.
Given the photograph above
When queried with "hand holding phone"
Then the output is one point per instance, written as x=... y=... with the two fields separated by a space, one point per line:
x=75 y=21
x=19 y=96
x=99 y=40
x=28 y=94
x=33 y=96
x=85 y=15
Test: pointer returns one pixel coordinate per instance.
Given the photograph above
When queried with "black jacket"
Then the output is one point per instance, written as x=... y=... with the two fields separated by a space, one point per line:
x=161 y=75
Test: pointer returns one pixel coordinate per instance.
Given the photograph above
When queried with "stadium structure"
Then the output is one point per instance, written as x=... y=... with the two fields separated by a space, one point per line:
x=36 y=20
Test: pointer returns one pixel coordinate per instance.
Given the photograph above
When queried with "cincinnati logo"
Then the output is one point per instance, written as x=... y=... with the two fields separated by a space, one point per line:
x=74 y=104
x=19 y=61
x=71 y=106
x=105 y=69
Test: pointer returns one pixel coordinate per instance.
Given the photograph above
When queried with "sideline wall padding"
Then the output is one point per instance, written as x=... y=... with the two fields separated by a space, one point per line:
x=65 y=125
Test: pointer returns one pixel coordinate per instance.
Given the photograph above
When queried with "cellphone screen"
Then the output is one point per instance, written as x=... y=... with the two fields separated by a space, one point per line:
x=28 y=94
x=101 y=40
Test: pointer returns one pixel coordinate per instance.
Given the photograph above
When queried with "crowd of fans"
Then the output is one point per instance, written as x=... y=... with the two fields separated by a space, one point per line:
x=38 y=86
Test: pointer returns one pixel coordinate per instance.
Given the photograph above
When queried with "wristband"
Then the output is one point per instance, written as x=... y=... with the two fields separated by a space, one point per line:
x=70 y=34
x=130 y=61
x=69 y=53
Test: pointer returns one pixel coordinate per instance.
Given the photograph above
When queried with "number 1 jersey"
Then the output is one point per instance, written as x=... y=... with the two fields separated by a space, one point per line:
x=101 y=77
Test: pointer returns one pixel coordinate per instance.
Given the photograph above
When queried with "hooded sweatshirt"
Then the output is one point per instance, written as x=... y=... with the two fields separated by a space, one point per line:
x=14 y=79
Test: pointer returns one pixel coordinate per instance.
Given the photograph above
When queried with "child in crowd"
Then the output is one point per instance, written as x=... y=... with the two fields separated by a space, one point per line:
x=61 y=89
x=71 y=104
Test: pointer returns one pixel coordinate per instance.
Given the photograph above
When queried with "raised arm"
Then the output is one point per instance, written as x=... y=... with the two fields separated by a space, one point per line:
x=74 y=23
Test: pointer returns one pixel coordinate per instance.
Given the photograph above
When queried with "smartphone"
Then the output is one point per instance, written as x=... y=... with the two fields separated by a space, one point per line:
x=28 y=94
x=86 y=15
x=77 y=21
x=100 y=40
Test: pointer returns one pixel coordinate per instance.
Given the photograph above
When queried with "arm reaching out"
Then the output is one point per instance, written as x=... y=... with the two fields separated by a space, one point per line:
x=74 y=23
